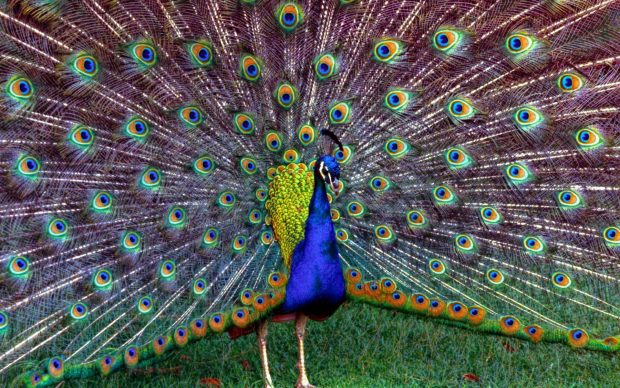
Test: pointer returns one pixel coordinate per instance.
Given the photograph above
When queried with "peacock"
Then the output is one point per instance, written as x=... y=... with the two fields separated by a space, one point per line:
x=171 y=170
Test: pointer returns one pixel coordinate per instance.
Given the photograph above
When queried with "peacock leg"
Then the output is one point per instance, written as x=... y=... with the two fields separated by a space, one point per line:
x=262 y=346
x=300 y=329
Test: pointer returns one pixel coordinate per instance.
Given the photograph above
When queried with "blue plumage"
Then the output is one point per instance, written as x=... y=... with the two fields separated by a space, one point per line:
x=316 y=284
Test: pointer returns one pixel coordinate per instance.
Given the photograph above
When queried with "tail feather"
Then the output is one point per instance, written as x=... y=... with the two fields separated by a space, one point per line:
x=477 y=142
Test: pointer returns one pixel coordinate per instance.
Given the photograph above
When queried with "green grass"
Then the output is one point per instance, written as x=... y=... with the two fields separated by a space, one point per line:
x=363 y=346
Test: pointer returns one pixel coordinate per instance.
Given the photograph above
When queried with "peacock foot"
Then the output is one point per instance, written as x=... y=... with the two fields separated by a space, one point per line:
x=301 y=384
x=302 y=380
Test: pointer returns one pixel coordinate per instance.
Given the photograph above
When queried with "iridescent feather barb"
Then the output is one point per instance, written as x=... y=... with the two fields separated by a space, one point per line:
x=162 y=169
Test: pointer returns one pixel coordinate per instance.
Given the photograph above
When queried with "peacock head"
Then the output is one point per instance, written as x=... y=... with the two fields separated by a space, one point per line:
x=327 y=166
x=329 y=171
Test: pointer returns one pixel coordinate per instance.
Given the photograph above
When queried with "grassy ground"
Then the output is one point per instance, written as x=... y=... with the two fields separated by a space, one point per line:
x=361 y=346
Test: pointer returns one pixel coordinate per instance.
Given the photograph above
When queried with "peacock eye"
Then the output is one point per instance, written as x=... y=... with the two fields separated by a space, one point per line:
x=291 y=156
x=356 y=209
x=85 y=65
x=20 y=88
x=578 y=338
x=561 y=280
x=343 y=155
x=340 y=113
x=204 y=165
x=55 y=367
x=57 y=228
x=379 y=184
x=78 y=311
x=81 y=137
x=266 y=237
x=519 y=43
x=144 y=54
x=191 y=115
x=226 y=199
x=589 y=138
x=19 y=267
x=461 y=108
x=137 y=129
x=446 y=40
x=289 y=16
x=570 y=82
x=273 y=141
x=534 y=245
x=28 y=167
x=528 y=118
x=436 y=266
x=131 y=241
x=285 y=95
x=102 y=279
x=569 y=199
x=255 y=216
x=495 y=276
x=201 y=54
x=167 y=269
x=342 y=235
x=325 y=66
x=397 y=100
x=465 y=243
x=177 y=217
x=387 y=50
x=306 y=134
x=250 y=68
x=145 y=305
x=239 y=244
x=151 y=178
x=518 y=173
x=396 y=148
x=248 y=165
x=611 y=235
x=416 y=219
x=443 y=195
x=210 y=237
x=457 y=158
x=101 y=202
x=244 y=123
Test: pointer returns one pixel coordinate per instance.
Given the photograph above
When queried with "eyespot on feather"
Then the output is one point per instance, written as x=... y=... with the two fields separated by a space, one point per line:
x=457 y=310
x=534 y=332
x=198 y=328
x=578 y=338
x=476 y=315
x=145 y=305
x=250 y=67
x=107 y=364
x=181 y=336
x=420 y=303
x=353 y=275
x=436 y=307
x=509 y=324
x=387 y=50
x=131 y=356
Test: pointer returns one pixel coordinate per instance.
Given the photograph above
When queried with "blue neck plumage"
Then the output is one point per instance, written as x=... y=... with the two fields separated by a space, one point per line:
x=319 y=227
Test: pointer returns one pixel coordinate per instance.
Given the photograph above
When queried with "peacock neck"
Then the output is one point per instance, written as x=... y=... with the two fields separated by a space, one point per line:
x=319 y=227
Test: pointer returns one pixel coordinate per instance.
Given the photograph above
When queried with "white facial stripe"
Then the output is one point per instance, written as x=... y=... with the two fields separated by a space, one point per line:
x=321 y=168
